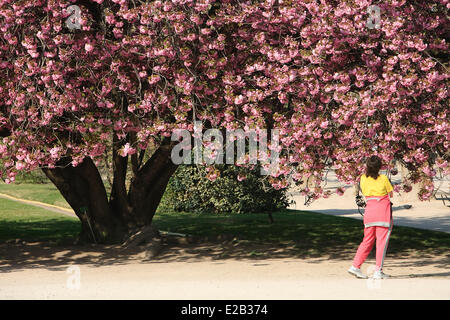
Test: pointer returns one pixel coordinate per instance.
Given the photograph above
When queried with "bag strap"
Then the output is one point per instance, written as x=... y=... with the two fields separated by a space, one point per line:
x=359 y=200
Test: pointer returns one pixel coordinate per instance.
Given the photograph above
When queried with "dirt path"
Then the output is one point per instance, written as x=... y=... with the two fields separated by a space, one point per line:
x=38 y=271
x=268 y=279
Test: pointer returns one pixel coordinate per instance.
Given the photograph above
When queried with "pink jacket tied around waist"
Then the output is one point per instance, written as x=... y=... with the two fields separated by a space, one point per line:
x=378 y=212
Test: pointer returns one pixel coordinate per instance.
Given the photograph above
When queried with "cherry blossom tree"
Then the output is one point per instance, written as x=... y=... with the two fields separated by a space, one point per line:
x=337 y=87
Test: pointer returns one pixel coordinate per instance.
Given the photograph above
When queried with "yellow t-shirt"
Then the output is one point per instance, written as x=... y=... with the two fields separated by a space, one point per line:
x=379 y=187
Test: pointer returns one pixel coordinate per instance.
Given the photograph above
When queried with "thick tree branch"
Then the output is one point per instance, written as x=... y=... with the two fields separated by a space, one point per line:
x=149 y=185
x=118 y=198
x=4 y=132
x=83 y=189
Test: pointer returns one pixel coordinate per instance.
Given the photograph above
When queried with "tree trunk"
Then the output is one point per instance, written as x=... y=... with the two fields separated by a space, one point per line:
x=148 y=186
x=113 y=220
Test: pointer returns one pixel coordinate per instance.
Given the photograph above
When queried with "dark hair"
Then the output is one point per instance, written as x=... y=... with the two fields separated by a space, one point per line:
x=373 y=167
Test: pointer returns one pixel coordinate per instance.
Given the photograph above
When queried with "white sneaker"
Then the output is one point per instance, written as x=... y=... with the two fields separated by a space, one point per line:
x=378 y=274
x=356 y=272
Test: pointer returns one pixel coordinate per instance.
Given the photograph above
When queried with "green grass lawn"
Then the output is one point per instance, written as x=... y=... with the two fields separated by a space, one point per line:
x=19 y=221
x=306 y=231
x=299 y=231
x=46 y=193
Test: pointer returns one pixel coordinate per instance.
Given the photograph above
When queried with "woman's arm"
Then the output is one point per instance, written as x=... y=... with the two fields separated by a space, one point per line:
x=389 y=187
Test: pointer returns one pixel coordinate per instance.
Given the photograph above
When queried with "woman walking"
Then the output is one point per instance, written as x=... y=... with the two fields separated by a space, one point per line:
x=377 y=218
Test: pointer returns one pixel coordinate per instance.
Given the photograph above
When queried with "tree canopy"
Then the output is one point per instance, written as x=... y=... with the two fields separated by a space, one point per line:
x=338 y=89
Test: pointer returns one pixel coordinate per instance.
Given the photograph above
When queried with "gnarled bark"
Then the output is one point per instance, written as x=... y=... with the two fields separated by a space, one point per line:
x=112 y=220
x=83 y=189
x=147 y=188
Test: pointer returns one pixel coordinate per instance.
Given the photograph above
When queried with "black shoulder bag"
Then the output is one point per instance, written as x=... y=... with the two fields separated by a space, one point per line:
x=360 y=201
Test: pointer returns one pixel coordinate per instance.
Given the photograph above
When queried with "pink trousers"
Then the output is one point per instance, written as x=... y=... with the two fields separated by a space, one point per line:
x=380 y=235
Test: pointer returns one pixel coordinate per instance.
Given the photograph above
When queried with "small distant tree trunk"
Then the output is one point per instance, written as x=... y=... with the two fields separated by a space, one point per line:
x=270 y=217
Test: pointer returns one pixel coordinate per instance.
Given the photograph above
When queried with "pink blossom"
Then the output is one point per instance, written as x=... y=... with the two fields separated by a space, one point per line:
x=324 y=124
x=88 y=47
x=239 y=100
x=126 y=150
x=212 y=177
x=241 y=177
x=20 y=165
x=54 y=152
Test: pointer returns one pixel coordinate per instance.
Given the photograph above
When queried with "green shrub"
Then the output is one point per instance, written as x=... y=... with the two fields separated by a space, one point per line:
x=190 y=190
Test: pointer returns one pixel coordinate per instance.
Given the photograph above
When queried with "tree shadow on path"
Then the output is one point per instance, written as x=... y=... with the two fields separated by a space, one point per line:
x=316 y=236
x=20 y=256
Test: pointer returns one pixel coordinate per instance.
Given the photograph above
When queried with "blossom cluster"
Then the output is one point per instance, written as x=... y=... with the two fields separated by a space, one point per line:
x=337 y=90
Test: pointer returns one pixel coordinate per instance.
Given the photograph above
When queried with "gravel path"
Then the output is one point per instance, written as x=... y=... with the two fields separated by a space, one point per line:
x=69 y=275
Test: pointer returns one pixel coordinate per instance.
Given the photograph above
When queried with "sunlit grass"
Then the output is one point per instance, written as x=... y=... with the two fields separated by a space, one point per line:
x=304 y=231
x=24 y=222
x=46 y=193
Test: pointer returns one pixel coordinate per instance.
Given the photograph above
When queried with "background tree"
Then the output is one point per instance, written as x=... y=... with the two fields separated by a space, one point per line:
x=229 y=189
x=135 y=70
